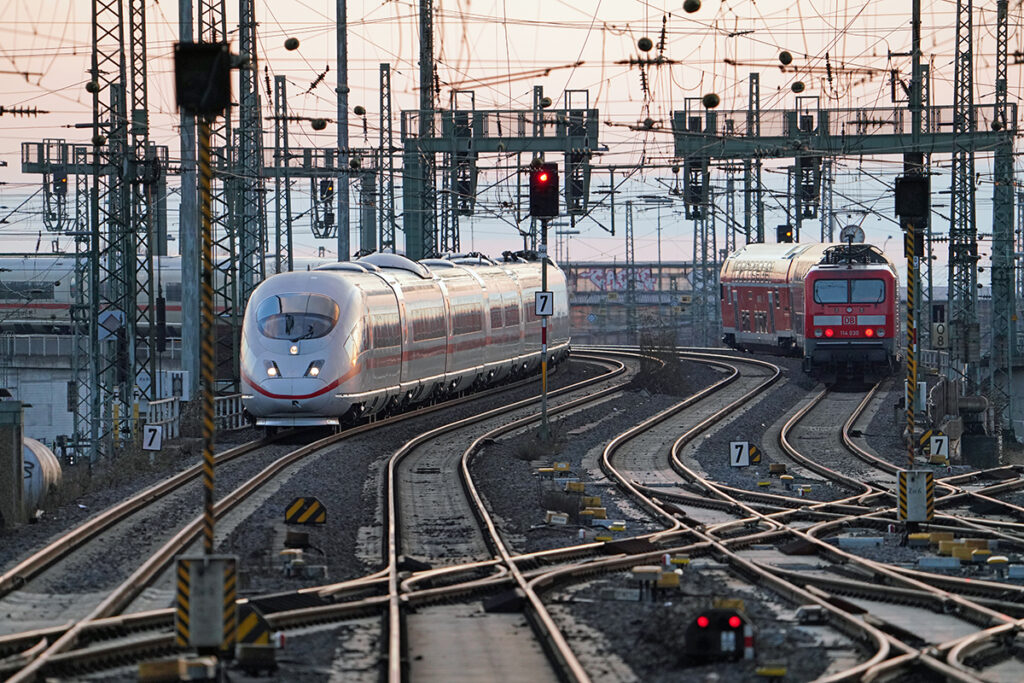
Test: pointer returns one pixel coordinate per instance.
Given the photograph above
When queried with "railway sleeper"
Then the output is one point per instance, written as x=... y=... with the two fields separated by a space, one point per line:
x=995 y=651
x=896 y=631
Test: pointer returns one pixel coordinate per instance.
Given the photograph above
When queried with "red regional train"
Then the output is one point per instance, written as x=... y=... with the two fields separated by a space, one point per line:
x=834 y=304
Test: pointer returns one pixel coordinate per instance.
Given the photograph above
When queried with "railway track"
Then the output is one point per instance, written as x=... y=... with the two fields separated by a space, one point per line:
x=436 y=565
x=29 y=658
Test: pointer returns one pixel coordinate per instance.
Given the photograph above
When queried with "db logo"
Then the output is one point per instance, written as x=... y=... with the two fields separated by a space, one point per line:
x=849 y=320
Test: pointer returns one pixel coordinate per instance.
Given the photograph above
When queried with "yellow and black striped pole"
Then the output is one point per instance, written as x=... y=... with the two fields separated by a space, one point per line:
x=544 y=332
x=911 y=338
x=206 y=329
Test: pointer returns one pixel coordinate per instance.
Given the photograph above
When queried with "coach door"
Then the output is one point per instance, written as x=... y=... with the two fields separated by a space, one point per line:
x=736 y=309
x=773 y=302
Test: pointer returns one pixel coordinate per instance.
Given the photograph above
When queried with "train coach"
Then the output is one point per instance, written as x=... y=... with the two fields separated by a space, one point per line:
x=836 y=305
x=383 y=332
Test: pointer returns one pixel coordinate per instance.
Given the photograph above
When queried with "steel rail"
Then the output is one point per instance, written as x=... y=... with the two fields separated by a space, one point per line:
x=553 y=638
x=392 y=538
x=979 y=613
x=121 y=596
x=58 y=549
x=857 y=629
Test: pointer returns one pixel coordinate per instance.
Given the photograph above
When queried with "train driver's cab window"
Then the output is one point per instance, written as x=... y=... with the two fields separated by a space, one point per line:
x=867 y=291
x=849 y=291
x=297 y=316
x=830 y=291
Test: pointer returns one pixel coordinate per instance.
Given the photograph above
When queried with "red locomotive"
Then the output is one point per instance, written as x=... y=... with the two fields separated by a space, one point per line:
x=834 y=304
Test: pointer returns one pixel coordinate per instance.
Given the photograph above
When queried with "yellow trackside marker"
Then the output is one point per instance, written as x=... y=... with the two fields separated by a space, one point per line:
x=916 y=495
x=230 y=612
x=252 y=626
x=206 y=360
x=293 y=509
x=305 y=510
x=181 y=614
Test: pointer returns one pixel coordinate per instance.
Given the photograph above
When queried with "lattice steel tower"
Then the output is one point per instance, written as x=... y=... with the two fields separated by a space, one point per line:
x=963 y=233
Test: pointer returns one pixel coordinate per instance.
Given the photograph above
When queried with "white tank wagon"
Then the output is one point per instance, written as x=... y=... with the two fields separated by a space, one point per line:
x=42 y=474
x=381 y=333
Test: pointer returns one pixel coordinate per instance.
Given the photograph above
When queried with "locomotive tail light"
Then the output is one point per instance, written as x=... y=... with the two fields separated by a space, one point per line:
x=817 y=332
x=293 y=349
x=272 y=369
x=735 y=621
x=314 y=368
x=829 y=333
x=703 y=621
x=869 y=332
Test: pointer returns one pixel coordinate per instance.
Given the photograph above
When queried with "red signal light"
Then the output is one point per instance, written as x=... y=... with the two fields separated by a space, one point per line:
x=829 y=332
x=544 y=191
x=869 y=332
x=702 y=621
x=735 y=621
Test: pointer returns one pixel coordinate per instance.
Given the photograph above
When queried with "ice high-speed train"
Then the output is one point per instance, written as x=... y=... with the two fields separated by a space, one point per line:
x=357 y=338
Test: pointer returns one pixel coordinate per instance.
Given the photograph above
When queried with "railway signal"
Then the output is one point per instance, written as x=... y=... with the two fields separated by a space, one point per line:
x=326 y=190
x=205 y=616
x=783 y=233
x=60 y=182
x=544 y=191
x=718 y=634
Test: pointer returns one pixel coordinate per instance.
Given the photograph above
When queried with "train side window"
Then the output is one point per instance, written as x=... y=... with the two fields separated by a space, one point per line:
x=830 y=291
x=26 y=291
x=173 y=290
x=468 y=319
x=428 y=324
x=745 y=315
x=496 y=317
x=778 y=299
x=512 y=315
x=867 y=291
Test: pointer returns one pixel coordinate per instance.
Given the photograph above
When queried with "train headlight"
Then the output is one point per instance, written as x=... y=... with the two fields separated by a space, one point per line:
x=817 y=332
x=880 y=331
x=293 y=349
x=314 y=368
x=272 y=369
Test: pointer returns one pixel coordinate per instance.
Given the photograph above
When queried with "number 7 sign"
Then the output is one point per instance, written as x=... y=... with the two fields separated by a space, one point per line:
x=152 y=437
x=544 y=303
x=739 y=453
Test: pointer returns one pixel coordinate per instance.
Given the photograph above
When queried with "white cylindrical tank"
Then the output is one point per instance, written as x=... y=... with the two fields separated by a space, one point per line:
x=42 y=474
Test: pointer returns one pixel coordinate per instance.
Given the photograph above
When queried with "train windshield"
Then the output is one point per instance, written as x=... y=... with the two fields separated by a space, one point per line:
x=867 y=291
x=849 y=291
x=297 y=316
